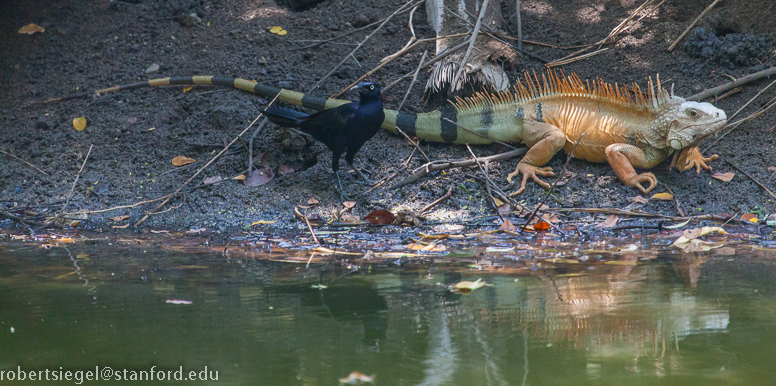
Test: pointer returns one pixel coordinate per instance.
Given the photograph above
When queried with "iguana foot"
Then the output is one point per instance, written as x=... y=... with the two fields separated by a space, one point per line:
x=636 y=182
x=532 y=172
x=692 y=158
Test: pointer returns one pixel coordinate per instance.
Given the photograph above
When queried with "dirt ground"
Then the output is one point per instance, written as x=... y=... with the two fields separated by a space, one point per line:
x=89 y=45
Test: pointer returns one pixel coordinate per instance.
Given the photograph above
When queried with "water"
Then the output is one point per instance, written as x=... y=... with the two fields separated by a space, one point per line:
x=694 y=319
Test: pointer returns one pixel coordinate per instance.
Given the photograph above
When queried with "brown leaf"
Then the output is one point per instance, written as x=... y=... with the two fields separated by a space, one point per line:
x=772 y=169
x=610 y=222
x=551 y=218
x=285 y=169
x=211 y=180
x=503 y=209
x=30 y=29
x=749 y=217
x=312 y=201
x=349 y=204
x=723 y=176
x=508 y=226
x=259 y=178
x=380 y=217
x=182 y=160
x=119 y=218
x=349 y=218
x=638 y=199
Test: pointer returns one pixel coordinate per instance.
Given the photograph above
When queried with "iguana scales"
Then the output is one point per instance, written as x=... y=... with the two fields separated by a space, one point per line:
x=622 y=125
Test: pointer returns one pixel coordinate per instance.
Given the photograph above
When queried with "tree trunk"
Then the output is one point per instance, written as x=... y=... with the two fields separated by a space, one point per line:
x=483 y=70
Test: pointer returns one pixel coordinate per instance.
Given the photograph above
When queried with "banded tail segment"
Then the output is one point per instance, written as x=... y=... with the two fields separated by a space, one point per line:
x=286 y=96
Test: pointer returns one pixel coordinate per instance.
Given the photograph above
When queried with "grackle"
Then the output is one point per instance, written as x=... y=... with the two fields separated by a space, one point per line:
x=342 y=129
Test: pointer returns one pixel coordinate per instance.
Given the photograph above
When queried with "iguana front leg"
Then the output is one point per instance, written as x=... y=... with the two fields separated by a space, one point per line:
x=691 y=157
x=623 y=158
x=544 y=141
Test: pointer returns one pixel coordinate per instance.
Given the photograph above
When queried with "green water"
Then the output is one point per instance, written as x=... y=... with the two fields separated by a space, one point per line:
x=683 y=320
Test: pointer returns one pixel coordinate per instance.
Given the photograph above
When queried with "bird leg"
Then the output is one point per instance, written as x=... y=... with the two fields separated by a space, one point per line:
x=366 y=181
x=343 y=196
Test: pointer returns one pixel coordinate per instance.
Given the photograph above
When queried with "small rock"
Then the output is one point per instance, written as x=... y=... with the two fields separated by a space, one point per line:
x=360 y=20
x=191 y=20
x=262 y=60
x=152 y=69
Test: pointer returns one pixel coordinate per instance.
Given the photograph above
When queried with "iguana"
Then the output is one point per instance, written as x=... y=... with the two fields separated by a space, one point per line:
x=622 y=125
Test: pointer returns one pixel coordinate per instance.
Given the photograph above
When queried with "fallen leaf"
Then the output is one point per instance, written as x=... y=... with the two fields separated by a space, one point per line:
x=285 y=169
x=178 y=301
x=239 y=178
x=497 y=201
x=312 y=201
x=503 y=209
x=119 y=218
x=356 y=377
x=723 y=176
x=662 y=197
x=749 y=217
x=541 y=226
x=278 y=30
x=610 y=222
x=550 y=218
x=508 y=226
x=349 y=218
x=187 y=88
x=426 y=247
x=263 y=222
x=771 y=220
x=468 y=286
x=31 y=28
x=677 y=225
x=349 y=204
x=182 y=160
x=212 y=180
x=380 y=217
x=638 y=199
x=259 y=178
x=79 y=123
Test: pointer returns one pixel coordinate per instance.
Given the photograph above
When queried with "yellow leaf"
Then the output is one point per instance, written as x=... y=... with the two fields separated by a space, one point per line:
x=187 y=88
x=240 y=177
x=79 y=123
x=282 y=32
x=30 y=29
x=262 y=222
x=662 y=196
x=497 y=201
x=275 y=29
x=182 y=160
x=468 y=286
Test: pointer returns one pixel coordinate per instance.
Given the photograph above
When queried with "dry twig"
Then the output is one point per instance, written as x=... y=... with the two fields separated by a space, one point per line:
x=439 y=200
x=736 y=83
x=447 y=164
x=27 y=163
x=694 y=22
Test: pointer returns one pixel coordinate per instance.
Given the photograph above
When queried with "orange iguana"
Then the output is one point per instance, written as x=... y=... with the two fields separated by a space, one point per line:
x=624 y=126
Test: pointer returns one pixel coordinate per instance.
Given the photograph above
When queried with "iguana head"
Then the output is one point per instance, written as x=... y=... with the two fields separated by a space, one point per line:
x=689 y=122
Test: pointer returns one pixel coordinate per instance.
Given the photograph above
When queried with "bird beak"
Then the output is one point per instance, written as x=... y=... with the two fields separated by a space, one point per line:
x=356 y=87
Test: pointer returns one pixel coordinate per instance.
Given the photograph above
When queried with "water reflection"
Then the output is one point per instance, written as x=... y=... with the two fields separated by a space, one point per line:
x=702 y=320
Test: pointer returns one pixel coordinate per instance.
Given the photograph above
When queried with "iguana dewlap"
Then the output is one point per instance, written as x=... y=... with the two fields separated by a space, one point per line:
x=624 y=126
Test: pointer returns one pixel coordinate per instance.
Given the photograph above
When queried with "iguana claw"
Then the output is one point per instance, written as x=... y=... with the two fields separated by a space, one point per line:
x=692 y=157
x=530 y=171
x=643 y=177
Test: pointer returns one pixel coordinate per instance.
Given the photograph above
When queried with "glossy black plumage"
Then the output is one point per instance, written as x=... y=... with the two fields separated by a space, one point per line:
x=343 y=129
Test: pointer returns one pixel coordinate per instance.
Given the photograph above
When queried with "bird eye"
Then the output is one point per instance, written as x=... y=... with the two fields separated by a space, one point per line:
x=372 y=87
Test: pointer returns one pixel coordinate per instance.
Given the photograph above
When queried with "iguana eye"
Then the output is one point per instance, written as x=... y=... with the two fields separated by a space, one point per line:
x=692 y=113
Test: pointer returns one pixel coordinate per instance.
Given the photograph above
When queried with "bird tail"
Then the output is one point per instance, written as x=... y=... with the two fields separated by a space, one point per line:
x=284 y=117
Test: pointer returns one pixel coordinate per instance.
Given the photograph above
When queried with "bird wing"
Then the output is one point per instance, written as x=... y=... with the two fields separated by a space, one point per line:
x=329 y=121
x=284 y=116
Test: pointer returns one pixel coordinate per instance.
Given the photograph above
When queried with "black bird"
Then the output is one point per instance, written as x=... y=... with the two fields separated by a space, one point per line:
x=342 y=129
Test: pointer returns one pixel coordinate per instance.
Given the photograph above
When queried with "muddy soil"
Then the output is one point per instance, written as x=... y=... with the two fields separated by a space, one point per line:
x=88 y=45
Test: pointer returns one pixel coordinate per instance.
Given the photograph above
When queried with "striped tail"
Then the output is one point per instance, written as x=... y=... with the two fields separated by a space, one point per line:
x=286 y=96
x=429 y=126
